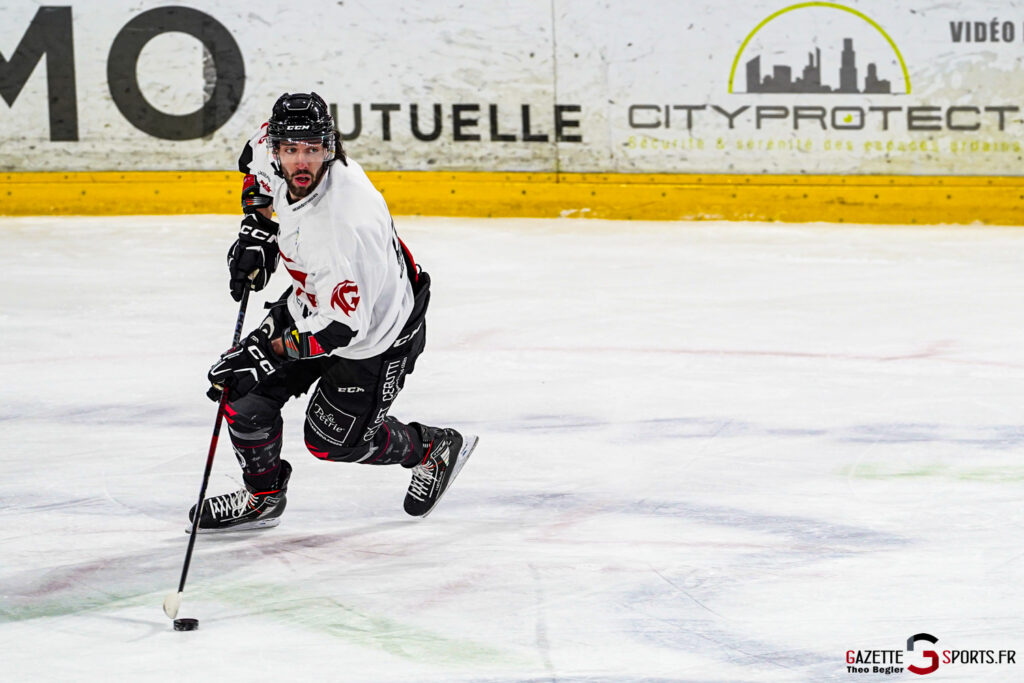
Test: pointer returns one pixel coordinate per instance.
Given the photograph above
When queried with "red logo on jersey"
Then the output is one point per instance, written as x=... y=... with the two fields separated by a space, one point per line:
x=343 y=298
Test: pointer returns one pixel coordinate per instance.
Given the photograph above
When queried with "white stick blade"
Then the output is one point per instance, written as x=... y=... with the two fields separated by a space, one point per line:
x=172 y=603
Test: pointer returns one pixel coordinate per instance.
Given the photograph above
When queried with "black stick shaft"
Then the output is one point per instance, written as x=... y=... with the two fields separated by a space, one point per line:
x=213 y=448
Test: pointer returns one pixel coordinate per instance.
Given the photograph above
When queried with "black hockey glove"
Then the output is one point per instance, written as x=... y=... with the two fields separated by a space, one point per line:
x=255 y=251
x=252 y=195
x=278 y=319
x=240 y=369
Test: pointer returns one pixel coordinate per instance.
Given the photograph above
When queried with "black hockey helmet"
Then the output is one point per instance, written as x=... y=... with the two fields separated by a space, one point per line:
x=302 y=117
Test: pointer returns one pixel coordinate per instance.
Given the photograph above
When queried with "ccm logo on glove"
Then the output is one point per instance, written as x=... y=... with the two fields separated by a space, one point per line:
x=265 y=365
x=241 y=369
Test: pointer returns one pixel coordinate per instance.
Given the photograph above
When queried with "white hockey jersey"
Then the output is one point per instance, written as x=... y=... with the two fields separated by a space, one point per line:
x=340 y=247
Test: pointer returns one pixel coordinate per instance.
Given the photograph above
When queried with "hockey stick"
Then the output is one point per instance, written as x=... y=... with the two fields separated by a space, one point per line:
x=173 y=600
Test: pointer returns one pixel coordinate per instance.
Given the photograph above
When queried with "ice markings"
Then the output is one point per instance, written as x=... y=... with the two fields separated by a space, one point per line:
x=553 y=423
x=115 y=414
x=983 y=436
x=703 y=636
x=657 y=429
x=803 y=530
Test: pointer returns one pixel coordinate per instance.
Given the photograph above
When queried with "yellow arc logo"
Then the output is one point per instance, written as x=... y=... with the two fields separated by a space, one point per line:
x=829 y=5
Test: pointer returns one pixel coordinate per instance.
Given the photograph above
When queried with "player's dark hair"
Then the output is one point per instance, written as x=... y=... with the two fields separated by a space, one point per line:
x=339 y=151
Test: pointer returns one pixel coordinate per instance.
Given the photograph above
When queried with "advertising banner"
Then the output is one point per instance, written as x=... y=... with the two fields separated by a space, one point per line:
x=555 y=86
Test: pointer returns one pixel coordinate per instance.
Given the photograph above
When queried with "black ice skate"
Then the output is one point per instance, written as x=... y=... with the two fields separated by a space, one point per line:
x=447 y=454
x=245 y=508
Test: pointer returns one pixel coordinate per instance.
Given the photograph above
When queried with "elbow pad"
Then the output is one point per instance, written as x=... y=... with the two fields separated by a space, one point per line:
x=252 y=196
x=300 y=345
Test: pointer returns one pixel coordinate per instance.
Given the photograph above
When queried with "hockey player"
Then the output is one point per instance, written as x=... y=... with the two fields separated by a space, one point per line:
x=352 y=323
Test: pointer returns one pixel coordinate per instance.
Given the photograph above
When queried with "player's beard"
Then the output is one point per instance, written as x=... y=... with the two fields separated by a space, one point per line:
x=300 y=191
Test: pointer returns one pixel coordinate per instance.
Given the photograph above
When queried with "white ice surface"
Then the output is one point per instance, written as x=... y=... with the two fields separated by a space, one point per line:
x=708 y=452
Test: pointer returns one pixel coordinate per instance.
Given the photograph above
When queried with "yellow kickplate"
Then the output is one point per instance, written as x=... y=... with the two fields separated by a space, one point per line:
x=799 y=198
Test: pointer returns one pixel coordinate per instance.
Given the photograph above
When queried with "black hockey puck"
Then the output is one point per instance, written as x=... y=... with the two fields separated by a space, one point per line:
x=186 y=624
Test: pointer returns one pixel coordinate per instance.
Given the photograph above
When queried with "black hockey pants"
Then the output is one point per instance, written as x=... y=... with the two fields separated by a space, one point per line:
x=347 y=416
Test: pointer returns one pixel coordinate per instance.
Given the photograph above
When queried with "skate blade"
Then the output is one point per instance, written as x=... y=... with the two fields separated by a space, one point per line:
x=468 y=446
x=248 y=526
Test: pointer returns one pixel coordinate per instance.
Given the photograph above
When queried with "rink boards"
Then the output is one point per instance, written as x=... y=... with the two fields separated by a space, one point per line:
x=854 y=111
x=788 y=198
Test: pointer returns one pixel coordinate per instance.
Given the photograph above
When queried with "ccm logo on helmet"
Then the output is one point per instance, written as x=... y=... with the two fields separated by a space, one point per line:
x=345 y=297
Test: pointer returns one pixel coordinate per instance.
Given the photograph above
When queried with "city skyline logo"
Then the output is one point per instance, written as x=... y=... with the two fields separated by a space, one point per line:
x=846 y=35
